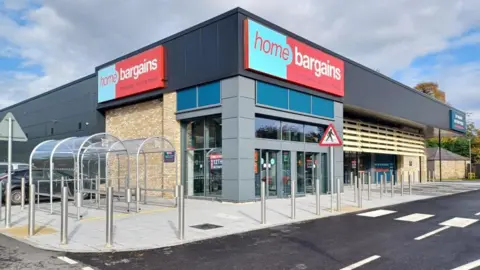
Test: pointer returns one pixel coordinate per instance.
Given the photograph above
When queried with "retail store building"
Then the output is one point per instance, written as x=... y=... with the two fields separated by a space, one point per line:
x=237 y=91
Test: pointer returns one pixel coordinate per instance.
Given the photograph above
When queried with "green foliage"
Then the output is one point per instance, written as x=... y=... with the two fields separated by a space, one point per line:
x=456 y=145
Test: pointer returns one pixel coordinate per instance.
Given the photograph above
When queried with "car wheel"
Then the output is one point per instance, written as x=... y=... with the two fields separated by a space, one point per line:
x=16 y=197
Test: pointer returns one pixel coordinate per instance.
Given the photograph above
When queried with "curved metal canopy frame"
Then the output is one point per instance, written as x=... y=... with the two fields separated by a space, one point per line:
x=35 y=151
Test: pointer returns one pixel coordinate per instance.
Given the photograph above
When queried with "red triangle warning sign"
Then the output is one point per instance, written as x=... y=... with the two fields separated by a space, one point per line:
x=330 y=137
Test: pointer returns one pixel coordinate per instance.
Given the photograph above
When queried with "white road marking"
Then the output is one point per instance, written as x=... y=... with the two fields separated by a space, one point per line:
x=468 y=266
x=67 y=260
x=414 y=217
x=360 y=263
x=87 y=268
x=459 y=222
x=477 y=214
x=377 y=213
x=432 y=233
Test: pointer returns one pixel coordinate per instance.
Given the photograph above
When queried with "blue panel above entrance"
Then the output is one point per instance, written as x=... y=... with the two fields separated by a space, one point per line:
x=385 y=164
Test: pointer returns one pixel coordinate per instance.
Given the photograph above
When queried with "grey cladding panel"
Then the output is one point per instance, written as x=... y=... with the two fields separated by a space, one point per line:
x=370 y=91
x=230 y=108
x=230 y=128
x=246 y=87
x=62 y=109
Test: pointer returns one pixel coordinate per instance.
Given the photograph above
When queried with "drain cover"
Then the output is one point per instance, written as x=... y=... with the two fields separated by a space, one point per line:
x=206 y=226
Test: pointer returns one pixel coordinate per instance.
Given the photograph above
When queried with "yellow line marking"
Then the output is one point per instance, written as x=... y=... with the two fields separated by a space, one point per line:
x=125 y=215
x=22 y=231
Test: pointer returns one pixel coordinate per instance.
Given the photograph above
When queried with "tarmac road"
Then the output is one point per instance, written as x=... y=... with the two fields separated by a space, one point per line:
x=17 y=255
x=351 y=240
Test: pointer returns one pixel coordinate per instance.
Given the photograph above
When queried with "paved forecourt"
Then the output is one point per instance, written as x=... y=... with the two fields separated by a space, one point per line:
x=157 y=226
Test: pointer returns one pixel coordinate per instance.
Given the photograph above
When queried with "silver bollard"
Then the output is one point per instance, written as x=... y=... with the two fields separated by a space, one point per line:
x=354 y=180
x=129 y=195
x=109 y=217
x=401 y=183
x=317 y=194
x=1 y=200
x=22 y=190
x=64 y=217
x=410 y=183
x=181 y=213
x=351 y=178
x=381 y=186
x=339 y=196
x=376 y=178
x=292 y=197
x=137 y=198
x=262 y=200
x=392 y=179
x=385 y=183
x=97 y=195
x=31 y=210
x=369 y=186
x=360 y=191
x=79 y=199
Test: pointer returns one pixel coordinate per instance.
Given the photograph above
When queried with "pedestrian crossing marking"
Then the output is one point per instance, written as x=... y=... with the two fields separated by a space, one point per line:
x=414 y=217
x=377 y=213
x=459 y=222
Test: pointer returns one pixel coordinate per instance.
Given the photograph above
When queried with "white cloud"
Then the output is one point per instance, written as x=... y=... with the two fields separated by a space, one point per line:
x=67 y=39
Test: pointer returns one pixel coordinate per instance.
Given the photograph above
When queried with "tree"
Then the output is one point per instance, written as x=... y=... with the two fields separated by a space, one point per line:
x=432 y=89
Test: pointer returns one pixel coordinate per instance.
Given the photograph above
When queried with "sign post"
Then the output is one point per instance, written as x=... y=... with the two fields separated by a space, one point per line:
x=331 y=139
x=10 y=131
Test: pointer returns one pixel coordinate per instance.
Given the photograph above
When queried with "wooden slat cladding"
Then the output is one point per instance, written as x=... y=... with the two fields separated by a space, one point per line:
x=371 y=138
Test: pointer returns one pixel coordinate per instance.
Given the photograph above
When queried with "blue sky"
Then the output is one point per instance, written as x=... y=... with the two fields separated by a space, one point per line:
x=47 y=43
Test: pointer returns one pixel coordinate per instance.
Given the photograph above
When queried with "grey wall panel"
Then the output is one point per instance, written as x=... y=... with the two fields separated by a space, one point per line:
x=230 y=128
x=61 y=109
x=246 y=128
x=373 y=92
x=237 y=127
x=230 y=107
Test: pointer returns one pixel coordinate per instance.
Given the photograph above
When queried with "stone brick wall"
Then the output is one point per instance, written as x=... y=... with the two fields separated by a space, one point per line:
x=451 y=169
x=403 y=164
x=142 y=120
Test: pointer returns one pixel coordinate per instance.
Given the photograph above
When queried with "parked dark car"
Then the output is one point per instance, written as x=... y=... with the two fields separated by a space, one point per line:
x=37 y=174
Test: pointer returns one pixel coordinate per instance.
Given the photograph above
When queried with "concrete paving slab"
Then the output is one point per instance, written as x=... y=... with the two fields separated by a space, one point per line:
x=156 y=226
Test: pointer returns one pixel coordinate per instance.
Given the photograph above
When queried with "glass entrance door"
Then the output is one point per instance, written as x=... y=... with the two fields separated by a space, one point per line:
x=311 y=171
x=266 y=170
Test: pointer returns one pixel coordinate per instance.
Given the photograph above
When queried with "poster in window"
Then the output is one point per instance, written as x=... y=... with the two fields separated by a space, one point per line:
x=215 y=162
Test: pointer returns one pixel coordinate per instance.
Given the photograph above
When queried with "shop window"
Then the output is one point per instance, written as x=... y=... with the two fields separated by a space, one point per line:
x=267 y=128
x=187 y=99
x=322 y=107
x=272 y=95
x=300 y=102
x=203 y=157
x=195 y=136
x=313 y=134
x=287 y=99
x=209 y=94
x=292 y=132
x=214 y=132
